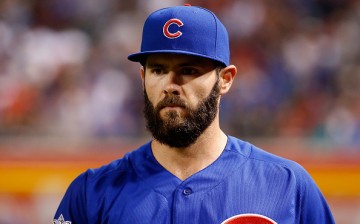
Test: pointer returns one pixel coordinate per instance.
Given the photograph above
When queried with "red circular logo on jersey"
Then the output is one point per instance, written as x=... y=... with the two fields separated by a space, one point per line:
x=170 y=22
x=249 y=219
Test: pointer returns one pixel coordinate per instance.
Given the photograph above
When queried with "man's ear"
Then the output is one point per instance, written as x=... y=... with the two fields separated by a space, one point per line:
x=227 y=76
x=142 y=76
x=142 y=73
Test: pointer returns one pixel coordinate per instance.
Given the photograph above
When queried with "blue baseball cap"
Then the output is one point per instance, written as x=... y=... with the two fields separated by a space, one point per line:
x=187 y=30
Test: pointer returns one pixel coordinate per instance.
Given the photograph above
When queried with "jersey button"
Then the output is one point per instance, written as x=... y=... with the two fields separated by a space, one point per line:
x=187 y=191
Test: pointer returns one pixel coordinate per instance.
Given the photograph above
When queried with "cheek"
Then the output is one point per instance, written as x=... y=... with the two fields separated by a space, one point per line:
x=196 y=95
x=152 y=90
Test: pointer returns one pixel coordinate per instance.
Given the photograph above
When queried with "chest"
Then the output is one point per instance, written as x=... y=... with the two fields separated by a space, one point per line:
x=194 y=201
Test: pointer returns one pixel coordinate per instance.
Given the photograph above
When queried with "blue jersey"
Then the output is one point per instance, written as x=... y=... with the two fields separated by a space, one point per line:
x=243 y=180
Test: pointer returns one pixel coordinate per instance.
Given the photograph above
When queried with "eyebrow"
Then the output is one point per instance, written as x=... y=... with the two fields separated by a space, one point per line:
x=155 y=65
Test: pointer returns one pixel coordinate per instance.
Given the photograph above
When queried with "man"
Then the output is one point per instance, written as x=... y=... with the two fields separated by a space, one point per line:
x=191 y=172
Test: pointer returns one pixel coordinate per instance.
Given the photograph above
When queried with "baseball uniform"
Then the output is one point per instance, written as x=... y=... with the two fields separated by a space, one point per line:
x=243 y=180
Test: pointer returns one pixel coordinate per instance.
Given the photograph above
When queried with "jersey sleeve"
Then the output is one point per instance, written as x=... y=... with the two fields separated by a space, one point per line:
x=312 y=205
x=72 y=208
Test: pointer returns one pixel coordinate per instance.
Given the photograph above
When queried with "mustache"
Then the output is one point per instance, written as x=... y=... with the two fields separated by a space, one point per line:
x=171 y=101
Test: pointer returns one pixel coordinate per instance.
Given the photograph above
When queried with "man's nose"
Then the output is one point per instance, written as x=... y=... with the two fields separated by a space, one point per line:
x=173 y=83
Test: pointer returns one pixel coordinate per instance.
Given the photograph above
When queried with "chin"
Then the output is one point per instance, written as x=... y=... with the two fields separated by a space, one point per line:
x=173 y=116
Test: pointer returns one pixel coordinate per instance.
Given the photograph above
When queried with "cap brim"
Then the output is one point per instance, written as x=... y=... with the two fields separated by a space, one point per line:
x=141 y=56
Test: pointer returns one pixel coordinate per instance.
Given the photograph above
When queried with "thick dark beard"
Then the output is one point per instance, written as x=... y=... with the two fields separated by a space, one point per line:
x=177 y=134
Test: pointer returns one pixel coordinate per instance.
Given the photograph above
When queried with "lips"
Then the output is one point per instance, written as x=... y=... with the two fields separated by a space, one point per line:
x=172 y=105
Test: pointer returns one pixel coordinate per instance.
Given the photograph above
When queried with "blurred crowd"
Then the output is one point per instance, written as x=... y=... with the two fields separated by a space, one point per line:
x=64 y=70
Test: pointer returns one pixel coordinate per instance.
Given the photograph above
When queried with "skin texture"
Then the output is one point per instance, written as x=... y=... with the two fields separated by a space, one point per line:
x=189 y=79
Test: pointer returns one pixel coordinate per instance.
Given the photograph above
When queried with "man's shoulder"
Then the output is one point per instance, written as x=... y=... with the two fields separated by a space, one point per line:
x=120 y=166
x=260 y=157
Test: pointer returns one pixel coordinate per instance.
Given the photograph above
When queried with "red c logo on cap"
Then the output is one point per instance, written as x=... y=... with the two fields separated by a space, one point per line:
x=168 y=24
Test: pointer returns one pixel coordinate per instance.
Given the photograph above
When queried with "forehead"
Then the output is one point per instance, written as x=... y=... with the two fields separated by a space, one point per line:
x=178 y=59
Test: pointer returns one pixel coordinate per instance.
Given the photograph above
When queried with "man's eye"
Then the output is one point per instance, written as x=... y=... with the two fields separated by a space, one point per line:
x=188 y=71
x=157 y=71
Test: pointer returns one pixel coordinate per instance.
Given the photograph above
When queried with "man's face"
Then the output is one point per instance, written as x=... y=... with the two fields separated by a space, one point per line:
x=181 y=98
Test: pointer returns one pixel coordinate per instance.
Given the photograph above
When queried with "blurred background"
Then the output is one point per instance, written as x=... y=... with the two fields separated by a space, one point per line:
x=70 y=99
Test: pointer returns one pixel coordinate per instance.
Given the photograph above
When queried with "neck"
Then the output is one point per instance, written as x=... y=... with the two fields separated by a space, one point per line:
x=184 y=162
